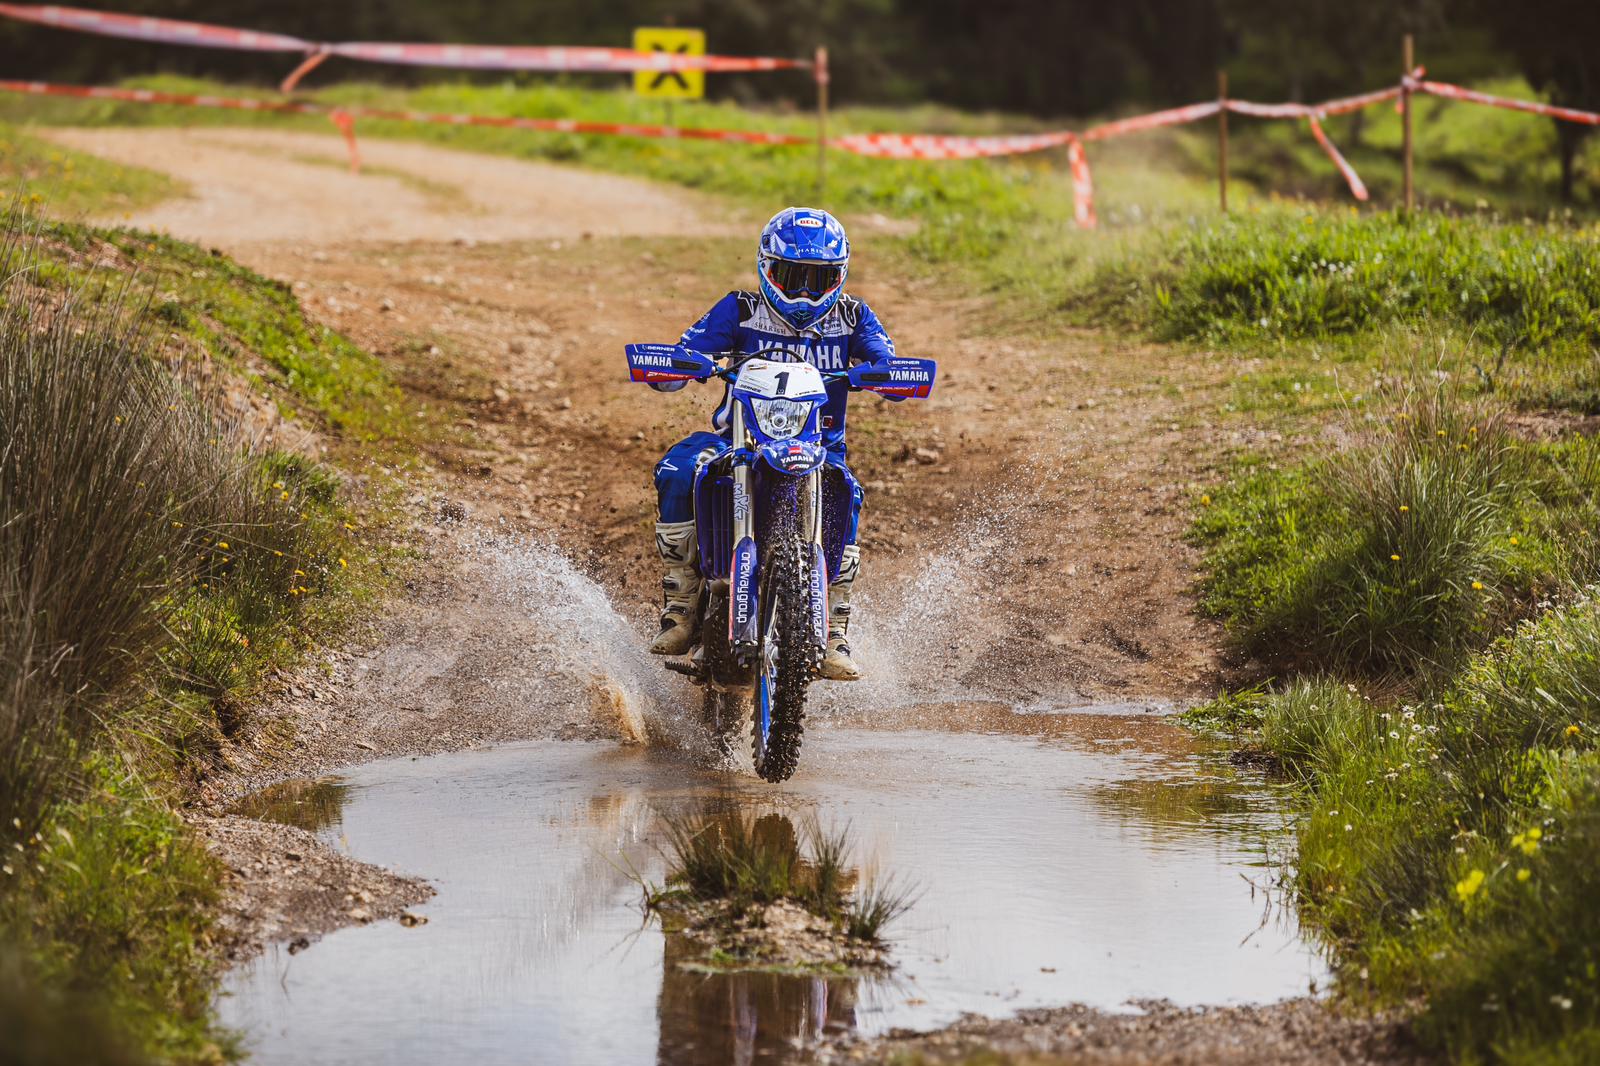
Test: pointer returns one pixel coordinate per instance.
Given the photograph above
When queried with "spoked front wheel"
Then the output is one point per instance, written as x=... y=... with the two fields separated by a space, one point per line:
x=785 y=664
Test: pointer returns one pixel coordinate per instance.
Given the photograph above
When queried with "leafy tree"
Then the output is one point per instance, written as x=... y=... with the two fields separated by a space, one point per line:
x=1554 y=41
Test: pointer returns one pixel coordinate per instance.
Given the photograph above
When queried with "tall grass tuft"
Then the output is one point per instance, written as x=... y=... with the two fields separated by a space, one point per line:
x=754 y=860
x=96 y=464
x=150 y=556
x=1401 y=554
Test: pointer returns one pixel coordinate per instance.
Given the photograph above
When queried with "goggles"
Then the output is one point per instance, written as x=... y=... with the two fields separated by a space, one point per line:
x=804 y=281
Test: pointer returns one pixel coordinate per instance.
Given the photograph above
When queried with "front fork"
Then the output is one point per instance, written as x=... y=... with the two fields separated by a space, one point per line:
x=817 y=572
x=744 y=609
x=744 y=617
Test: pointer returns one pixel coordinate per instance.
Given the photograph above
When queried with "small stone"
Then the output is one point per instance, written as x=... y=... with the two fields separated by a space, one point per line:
x=926 y=455
x=386 y=304
x=360 y=914
x=411 y=921
x=518 y=347
x=298 y=944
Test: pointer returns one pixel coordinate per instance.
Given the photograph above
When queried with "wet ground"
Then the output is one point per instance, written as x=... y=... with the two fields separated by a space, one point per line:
x=1065 y=858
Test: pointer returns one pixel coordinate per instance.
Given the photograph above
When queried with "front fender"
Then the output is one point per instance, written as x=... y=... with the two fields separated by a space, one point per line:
x=795 y=458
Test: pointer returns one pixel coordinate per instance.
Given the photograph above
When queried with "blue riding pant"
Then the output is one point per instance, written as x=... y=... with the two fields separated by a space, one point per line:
x=676 y=471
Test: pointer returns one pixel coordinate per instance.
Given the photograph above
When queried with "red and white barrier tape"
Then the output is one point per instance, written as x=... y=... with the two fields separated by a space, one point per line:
x=1358 y=188
x=1171 y=117
x=878 y=145
x=343 y=115
x=158 y=30
x=929 y=146
x=1533 y=107
x=529 y=57
x=464 y=56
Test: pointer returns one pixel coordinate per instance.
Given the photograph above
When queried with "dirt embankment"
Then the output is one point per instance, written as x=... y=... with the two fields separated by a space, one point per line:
x=1022 y=533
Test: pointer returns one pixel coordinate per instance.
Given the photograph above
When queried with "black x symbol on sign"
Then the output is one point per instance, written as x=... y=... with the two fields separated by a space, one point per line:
x=676 y=75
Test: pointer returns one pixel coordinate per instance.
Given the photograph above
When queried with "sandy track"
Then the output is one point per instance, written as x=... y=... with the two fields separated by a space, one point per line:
x=266 y=185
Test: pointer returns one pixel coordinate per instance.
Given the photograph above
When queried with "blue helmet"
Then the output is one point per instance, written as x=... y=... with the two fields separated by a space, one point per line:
x=802 y=262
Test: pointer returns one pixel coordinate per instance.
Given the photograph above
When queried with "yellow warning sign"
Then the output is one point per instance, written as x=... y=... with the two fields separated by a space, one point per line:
x=674 y=84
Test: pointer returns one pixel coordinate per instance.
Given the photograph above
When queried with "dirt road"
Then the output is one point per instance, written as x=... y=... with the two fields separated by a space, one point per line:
x=1022 y=535
x=1040 y=497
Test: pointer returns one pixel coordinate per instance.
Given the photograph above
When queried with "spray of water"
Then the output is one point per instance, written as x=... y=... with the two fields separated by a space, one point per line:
x=919 y=633
x=582 y=634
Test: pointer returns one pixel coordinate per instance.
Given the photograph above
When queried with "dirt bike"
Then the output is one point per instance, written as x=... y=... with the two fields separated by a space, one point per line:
x=771 y=521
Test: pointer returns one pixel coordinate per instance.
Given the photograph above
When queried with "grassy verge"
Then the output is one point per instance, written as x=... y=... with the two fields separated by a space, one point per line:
x=161 y=561
x=1426 y=590
x=75 y=183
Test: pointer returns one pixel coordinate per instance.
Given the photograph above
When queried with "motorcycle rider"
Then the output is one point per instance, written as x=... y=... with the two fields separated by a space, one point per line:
x=799 y=305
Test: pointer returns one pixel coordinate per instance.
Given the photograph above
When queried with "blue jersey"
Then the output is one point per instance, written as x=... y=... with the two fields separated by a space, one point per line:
x=741 y=323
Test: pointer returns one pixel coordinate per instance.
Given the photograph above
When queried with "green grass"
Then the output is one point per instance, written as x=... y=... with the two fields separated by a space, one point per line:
x=1406 y=551
x=159 y=566
x=1448 y=824
x=1447 y=845
x=751 y=861
x=77 y=184
x=219 y=310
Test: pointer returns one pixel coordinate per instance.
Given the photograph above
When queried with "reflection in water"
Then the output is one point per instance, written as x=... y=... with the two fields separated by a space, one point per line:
x=740 y=1017
x=1059 y=860
x=312 y=804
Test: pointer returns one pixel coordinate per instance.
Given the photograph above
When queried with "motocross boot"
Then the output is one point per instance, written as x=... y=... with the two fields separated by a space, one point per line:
x=837 y=664
x=680 y=588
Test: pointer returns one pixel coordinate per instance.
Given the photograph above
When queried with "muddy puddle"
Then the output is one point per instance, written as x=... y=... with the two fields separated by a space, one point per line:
x=1084 y=857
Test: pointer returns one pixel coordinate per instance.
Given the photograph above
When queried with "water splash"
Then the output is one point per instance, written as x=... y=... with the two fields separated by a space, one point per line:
x=584 y=636
x=919 y=635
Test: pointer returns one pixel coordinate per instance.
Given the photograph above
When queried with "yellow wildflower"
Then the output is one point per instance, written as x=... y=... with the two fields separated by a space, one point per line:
x=1514 y=540
x=1524 y=873
x=1205 y=501
x=222 y=544
x=1395 y=558
x=1468 y=886
x=1478 y=586
x=1404 y=508
x=344 y=564
x=1573 y=730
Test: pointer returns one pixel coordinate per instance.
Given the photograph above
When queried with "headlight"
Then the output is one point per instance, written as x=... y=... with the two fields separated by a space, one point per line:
x=781 y=419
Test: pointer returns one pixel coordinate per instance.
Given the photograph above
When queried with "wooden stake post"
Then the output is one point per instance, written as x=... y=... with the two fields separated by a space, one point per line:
x=1222 y=139
x=1408 y=60
x=820 y=69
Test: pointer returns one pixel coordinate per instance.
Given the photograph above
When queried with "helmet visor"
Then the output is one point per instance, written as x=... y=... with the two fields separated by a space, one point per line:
x=804 y=281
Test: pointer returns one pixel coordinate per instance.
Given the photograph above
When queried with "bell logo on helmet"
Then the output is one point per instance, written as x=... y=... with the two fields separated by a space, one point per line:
x=808 y=222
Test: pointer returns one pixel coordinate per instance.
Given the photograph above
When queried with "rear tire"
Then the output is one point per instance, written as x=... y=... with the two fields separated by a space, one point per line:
x=787 y=662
